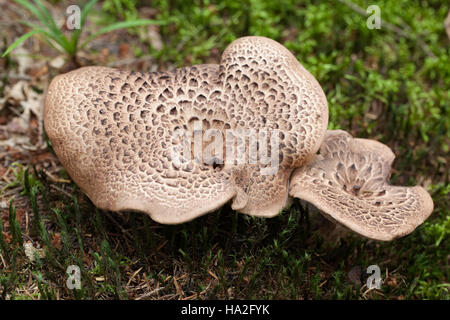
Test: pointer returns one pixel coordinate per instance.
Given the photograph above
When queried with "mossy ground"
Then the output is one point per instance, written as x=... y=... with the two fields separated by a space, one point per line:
x=391 y=84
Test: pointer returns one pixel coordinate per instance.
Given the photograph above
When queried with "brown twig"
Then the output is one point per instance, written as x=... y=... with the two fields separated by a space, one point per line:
x=149 y=294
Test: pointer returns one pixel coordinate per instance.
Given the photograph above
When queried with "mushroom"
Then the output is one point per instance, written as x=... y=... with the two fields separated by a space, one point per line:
x=115 y=132
x=153 y=142
x=348 y=182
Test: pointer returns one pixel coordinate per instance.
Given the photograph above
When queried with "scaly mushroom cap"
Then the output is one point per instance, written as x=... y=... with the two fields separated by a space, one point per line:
x=114 y=131
x=348 y=182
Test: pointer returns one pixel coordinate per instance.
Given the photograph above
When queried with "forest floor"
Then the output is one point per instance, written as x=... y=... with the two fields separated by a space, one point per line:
x=390 y=84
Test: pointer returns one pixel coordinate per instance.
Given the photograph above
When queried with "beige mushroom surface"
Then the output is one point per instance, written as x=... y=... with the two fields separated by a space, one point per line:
x=131 y=141
x=114 y=131
x=348 y=182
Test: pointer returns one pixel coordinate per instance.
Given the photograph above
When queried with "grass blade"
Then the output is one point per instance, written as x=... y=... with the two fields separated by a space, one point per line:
x=47 y=33
x=46 y=19
x=19 y=41
x=76 y=35
x=49 y=22
x=14 y=225
x=4 y=247
x=27 y=5
x=52 y=25
x=87 y=8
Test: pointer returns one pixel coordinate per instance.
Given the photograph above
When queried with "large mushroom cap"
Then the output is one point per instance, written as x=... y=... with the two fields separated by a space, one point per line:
x=114 y=131
x=348 y=182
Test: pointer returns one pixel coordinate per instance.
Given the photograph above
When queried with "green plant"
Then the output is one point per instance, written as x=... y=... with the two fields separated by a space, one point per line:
x=22 y=178
x=53 y=36
x=121 y=9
